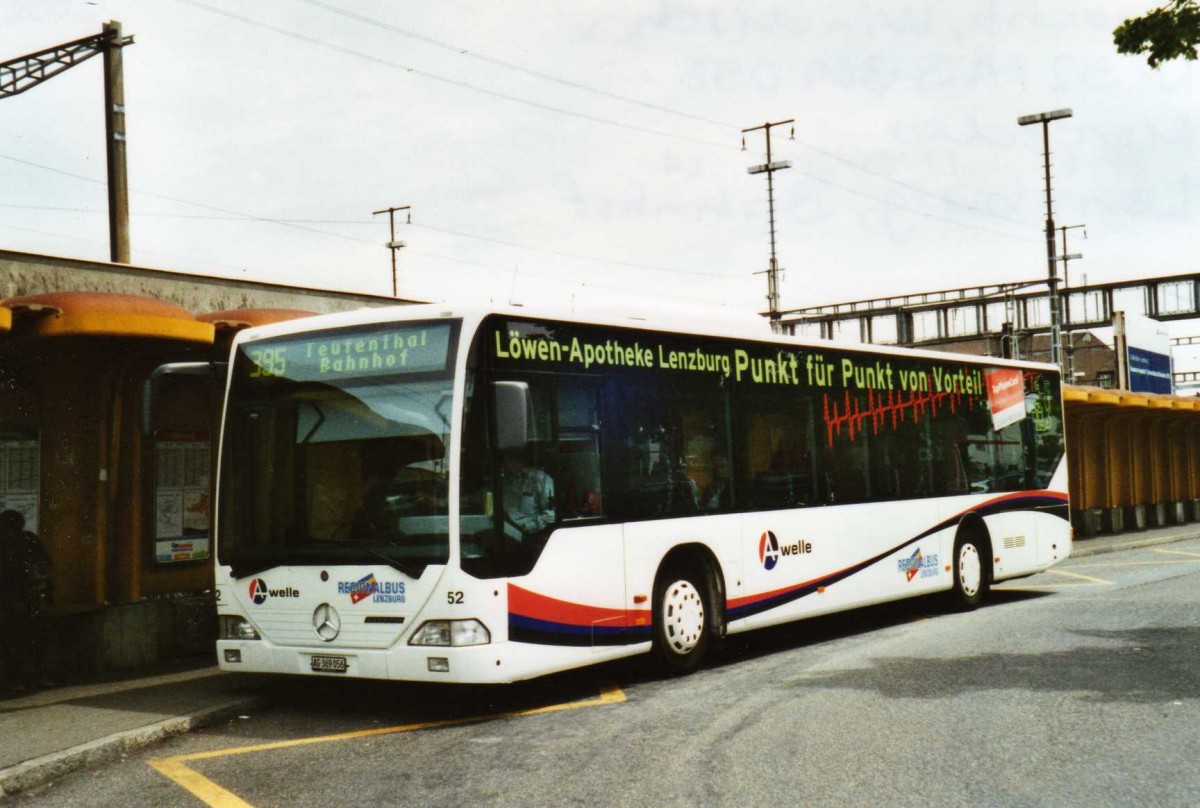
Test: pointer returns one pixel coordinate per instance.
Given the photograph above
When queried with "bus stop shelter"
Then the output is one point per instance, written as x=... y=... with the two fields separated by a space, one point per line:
x=1134 y=459
x=124 y=516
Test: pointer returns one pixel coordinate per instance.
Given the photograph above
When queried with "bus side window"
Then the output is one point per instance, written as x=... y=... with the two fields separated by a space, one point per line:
x=849 y=468
x=653 y=473
x=577 y=461
x=669 y=431
x=776 y=451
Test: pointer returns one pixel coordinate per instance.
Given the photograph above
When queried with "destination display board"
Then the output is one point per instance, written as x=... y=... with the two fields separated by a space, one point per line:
x=350 y=353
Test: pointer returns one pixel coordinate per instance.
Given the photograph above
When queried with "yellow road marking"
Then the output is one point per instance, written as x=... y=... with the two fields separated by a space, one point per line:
x=197 y=785
x=1089 y=581
x=213 y=795
x=1081 y=577
x=1179 y=552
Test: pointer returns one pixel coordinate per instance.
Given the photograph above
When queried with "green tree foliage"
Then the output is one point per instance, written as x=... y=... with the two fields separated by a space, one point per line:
x=1168 y=32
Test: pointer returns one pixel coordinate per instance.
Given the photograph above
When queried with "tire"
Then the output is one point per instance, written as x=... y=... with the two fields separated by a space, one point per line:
x=971 y=573
x=683 y=619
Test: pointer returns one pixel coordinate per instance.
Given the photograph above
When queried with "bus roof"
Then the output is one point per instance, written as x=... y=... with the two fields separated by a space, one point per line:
x=702 y=321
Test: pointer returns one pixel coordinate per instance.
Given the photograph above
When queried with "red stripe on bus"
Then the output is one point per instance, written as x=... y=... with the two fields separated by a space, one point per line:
x=543 y=607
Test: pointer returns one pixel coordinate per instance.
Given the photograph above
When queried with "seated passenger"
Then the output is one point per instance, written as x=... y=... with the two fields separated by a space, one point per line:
x=717 y=496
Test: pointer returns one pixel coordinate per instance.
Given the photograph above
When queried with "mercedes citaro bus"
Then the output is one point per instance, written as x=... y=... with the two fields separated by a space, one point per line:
x=487 y=495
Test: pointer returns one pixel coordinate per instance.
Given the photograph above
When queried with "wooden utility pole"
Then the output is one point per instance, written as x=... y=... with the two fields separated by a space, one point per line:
x=28 y=71
x=114 y=127
x=394 y=245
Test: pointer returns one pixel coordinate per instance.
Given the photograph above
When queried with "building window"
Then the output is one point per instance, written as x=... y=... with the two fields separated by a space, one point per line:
x=1105 y=378
x=20 y=474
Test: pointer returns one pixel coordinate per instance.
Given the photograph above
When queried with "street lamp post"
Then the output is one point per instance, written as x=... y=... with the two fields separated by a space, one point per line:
x=1044 y=119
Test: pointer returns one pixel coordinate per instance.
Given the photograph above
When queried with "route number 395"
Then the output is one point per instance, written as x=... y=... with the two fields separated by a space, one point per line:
x=268 y=362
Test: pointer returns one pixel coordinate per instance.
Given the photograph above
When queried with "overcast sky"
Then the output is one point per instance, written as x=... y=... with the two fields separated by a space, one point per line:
x=594 y=148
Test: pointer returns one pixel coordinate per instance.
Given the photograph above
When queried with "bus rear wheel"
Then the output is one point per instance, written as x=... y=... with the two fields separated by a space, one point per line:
x=970 y=572
x=682 y=619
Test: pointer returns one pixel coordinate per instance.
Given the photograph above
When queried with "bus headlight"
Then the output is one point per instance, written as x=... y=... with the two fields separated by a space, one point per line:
x=233 y=627
x=451 y=633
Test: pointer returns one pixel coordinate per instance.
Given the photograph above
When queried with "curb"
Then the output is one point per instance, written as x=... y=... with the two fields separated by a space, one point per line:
x=32 y=773
x=1081 y=552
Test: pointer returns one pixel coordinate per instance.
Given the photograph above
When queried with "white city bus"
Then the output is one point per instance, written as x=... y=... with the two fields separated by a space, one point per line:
x=678 y=485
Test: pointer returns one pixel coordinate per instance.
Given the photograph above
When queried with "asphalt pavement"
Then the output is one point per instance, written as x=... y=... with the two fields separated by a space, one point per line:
x=50 y=733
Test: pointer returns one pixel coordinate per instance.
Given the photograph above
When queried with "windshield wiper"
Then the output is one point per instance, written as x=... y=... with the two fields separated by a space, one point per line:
x=240 y=569
x=411 y=569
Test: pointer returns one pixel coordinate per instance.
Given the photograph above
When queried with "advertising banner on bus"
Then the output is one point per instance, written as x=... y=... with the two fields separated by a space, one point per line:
x=1006 y=396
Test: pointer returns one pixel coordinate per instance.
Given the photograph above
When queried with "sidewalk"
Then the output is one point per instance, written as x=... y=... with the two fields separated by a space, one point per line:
x=48 y=734
x=1134 y=540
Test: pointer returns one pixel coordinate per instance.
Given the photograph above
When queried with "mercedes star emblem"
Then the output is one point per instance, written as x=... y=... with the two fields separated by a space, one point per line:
x=327 y=622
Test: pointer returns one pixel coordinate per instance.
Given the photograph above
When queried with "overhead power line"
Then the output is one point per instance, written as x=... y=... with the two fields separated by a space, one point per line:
x=238 y=216
x=905 y=208
x=290 y=276
x=459 y=50
x=65 y=237
x=231 y=215
x=511 y=65
x=462 y=85
x=585 y=116
x=908 y=185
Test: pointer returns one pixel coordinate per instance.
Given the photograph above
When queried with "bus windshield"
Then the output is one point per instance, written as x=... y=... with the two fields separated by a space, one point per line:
x=335 y=449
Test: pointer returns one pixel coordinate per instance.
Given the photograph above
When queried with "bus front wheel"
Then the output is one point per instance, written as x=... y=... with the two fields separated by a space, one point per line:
x=970 y=572
x=682 y=619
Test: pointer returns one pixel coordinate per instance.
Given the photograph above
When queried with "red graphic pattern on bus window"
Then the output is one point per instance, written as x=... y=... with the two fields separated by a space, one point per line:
x=854 y=415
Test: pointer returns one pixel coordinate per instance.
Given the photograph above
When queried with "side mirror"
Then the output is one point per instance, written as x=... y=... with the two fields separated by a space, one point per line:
x=213 y=371
x=512 y=414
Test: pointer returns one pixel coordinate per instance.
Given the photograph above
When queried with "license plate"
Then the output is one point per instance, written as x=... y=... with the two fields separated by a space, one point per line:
x=329 y=664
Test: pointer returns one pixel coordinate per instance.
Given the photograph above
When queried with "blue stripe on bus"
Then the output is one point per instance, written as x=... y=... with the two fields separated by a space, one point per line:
x=1054 y=504
x=546 y=632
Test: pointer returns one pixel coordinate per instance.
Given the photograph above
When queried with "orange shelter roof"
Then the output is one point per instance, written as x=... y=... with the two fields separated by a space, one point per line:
x=1110 y=397
x=57 y=314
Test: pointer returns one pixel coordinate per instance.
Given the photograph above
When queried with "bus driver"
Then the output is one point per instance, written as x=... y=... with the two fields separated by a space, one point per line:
x=528 y=497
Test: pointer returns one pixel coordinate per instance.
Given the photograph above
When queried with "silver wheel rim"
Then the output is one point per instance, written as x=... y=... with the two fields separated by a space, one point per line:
x=683 y=617
x=970 y=570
